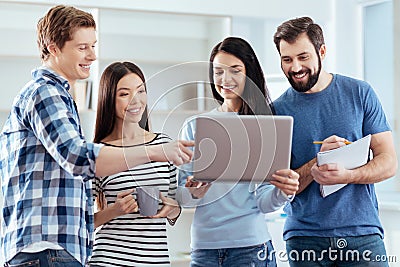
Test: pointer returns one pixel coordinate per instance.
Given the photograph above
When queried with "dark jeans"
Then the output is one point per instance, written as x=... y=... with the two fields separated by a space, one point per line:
x=310 y=251
x=45 y=258
x=254 y=256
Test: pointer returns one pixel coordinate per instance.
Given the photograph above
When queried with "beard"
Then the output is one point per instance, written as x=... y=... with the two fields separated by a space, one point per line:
x=312 y=79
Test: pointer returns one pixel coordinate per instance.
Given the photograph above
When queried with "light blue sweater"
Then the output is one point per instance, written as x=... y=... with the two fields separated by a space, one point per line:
x=229 y=215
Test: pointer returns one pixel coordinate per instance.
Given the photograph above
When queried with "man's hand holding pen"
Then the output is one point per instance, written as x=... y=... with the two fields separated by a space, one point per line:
x=332 y=173
x=332 y=142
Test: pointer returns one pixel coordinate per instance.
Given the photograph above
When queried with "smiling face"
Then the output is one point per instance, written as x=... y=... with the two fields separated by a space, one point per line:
x=130 y=99
x=301 y=63
x=229 y=76
x=73 y=60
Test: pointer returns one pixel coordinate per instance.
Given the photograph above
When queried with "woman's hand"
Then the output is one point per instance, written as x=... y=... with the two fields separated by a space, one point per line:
x=124 y=204
x=171 y=208
x=196 y=188
x=287 y=181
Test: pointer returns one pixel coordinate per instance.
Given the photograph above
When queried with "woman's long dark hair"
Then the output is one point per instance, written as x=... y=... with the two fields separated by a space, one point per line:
x=105 y=118
x=256 y=98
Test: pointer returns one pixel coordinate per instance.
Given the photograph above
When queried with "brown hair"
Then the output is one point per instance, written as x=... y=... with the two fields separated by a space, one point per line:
x=58 y=26
x=291 y=29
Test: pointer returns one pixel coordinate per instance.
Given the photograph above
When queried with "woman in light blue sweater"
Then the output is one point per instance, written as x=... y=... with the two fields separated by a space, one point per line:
x=229 y=226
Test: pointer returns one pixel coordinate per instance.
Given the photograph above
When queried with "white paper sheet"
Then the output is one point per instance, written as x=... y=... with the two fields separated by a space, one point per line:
x=350 y=157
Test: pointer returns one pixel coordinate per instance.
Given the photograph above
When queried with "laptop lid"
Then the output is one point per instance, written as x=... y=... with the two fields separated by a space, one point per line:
x=241 y=148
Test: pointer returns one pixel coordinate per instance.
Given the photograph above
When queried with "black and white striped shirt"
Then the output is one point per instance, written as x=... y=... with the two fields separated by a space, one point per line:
x=131 y=239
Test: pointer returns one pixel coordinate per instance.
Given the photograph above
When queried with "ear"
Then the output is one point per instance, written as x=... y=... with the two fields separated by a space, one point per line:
x=322 y=51
x=53 y=49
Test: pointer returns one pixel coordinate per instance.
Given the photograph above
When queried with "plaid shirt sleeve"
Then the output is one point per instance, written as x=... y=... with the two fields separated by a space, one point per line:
x=56 y=126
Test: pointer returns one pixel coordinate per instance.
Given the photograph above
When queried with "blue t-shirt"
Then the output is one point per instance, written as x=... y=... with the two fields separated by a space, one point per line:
x=347 y=108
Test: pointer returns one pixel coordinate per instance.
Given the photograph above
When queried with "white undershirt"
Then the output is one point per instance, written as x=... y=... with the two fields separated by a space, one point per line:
x=40 y=246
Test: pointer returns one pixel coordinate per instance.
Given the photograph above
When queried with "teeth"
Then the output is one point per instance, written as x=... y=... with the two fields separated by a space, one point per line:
x=228 y=87
x=134 y=110
x=86 y=66
x=300 y=75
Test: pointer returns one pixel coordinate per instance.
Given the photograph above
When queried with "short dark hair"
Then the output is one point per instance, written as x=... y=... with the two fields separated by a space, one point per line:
x=291 y=29
x=105 y=118
x=58 y=26
x=256 y=99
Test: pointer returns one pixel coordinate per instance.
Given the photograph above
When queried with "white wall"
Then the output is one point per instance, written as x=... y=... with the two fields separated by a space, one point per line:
x=345 y=42
x=252 y=8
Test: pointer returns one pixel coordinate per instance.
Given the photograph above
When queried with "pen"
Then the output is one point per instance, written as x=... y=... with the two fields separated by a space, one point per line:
x=320 y=142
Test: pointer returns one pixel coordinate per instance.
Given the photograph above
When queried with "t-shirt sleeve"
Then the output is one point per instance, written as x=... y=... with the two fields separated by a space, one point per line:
x=375 y=120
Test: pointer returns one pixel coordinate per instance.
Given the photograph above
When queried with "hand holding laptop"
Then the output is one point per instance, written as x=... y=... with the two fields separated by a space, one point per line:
x=196 y=188
x=286 y=180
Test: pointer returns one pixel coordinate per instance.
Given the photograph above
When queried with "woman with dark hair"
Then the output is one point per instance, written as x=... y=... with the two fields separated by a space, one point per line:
x=126 y=238
x=255 y=97
x=229 y=226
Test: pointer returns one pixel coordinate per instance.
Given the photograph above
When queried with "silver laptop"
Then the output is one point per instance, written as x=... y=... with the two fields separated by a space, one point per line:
x=240 y=148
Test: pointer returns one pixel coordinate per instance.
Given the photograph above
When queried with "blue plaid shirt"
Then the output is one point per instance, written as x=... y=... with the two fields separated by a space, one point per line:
x=45 y=165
